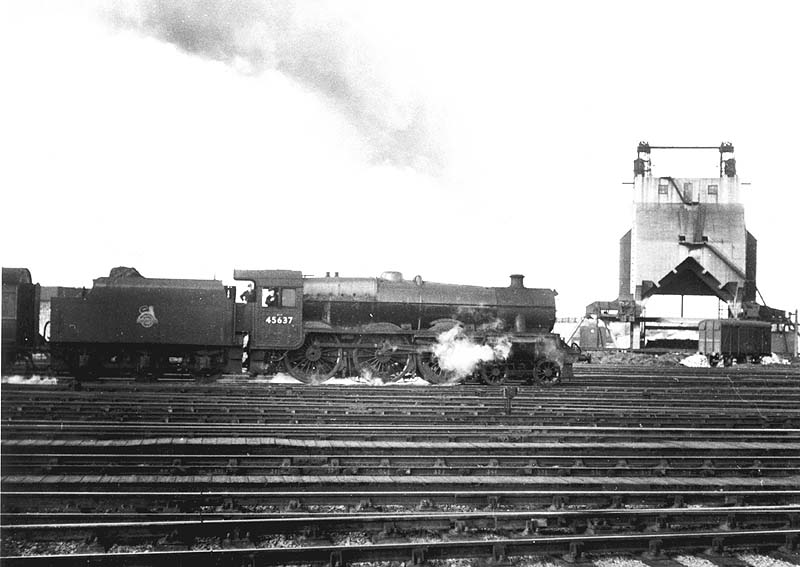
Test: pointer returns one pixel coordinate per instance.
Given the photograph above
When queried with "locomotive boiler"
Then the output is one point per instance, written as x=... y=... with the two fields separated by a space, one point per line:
x=313 y=328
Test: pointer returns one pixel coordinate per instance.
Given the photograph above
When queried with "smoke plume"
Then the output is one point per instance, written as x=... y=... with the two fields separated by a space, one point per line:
x=457 y=353
x=313 y=45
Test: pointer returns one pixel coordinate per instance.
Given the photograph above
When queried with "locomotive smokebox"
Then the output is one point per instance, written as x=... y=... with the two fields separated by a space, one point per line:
x=516 y=281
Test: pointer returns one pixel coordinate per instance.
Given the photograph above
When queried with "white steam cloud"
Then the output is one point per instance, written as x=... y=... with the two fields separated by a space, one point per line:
x=459 y=354
x=310 y=43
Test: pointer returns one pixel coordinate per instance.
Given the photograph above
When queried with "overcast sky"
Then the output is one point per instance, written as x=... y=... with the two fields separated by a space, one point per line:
x=463 y=141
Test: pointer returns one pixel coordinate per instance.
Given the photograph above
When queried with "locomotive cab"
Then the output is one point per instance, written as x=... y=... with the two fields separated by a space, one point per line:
x=272 y=317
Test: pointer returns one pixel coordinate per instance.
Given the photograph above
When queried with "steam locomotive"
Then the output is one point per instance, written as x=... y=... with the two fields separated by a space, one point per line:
x=313 y=328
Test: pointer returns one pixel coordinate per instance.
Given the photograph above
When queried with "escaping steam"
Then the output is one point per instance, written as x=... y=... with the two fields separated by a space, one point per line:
x=459 y=354
x=310 y=43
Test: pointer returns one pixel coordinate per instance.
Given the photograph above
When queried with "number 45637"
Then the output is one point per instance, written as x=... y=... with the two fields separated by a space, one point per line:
x=279 y=320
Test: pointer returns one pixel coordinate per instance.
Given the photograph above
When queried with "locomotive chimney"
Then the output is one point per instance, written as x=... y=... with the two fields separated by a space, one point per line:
x=516 y=281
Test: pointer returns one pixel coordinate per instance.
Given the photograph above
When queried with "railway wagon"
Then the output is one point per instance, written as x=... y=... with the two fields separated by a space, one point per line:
x=20 y=331
x=734 y=339
x=313 y=328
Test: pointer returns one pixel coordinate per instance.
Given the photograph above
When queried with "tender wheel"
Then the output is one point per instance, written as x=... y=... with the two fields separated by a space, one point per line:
x=546 y=373
x=83 y=365
x=315 y=361
x=23 y=363
x=145 y=366
x=493 y=373
x=204 y=365
x=384 y=357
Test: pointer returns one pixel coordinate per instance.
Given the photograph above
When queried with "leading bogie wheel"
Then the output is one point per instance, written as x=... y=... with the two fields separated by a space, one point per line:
x=493 y=373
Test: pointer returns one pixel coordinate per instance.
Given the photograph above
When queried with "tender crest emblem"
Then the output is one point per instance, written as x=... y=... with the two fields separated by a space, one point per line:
x=147 y=316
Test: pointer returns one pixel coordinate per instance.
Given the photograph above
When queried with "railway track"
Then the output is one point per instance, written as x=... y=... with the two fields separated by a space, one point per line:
x=230 y=473
x=672 y=403
x=239 y=548
x=445 y=462
x=236 y=551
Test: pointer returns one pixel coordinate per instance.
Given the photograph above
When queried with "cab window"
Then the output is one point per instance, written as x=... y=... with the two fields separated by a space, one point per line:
x=270 y=297
x=278 y=297
x=289 y=297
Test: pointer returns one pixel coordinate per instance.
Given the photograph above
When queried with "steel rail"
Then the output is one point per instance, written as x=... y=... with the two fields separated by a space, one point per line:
x=417 y=552
x=486 y=429
x=411 y=519
x=278 y=523
x=426 y=400
x=681 y=464
x=673 y=497
x=332 y=483
x=563 y=447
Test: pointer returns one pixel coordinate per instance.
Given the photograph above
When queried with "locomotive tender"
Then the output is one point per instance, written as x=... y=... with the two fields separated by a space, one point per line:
x=20 y=315
x=311 y=327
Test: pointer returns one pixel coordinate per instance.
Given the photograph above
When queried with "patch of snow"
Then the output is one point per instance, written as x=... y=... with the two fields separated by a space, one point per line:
x=696 y=361
x=34 y=380
x=409 y=381
x=353 y=381
x=774 y=359
x=763 y=560
x=281 y=378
